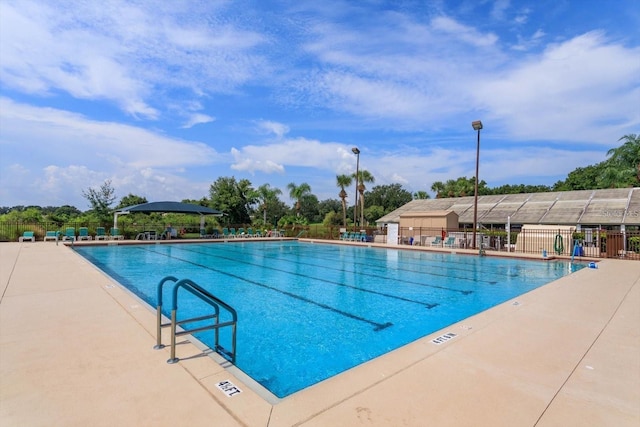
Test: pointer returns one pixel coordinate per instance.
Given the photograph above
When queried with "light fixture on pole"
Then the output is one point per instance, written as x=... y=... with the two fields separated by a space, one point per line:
x=477 y=125
x=355 y=207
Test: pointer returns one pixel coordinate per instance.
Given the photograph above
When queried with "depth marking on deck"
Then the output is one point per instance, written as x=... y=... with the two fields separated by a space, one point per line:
x=228 y=388
x=443 y=338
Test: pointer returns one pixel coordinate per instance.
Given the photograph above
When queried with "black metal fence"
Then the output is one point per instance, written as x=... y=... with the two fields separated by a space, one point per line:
x=592 y=244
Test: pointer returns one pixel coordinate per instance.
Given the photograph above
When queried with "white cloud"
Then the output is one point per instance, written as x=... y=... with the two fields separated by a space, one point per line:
x=70 y=152
x=584 y=89
x=300 y=152
x=122 y=52
x=278 y=129
x=197 y=119
x=462 y=32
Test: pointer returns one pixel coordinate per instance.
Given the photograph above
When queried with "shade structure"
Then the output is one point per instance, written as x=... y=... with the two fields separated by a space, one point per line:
x=173 y=207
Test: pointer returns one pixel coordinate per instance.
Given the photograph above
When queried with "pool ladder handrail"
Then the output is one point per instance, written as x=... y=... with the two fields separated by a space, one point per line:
x=208 y=298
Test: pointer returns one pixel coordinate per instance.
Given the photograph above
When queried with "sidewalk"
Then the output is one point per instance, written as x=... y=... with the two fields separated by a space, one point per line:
x=76 y=350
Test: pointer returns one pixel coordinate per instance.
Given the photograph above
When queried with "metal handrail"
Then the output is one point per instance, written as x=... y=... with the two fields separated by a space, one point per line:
x=206 y=297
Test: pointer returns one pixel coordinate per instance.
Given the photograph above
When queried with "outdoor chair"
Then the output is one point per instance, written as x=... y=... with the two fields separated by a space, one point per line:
x=450 y=242
x=27 y=235
x=51 y=235
x=69 y=234
x=437 y=241
x=83 y=233
x=100 y=234
x=115 y=234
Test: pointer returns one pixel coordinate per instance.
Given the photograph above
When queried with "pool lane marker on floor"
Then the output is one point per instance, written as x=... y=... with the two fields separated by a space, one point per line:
x=428 y=305
x=378 y=276
x=377 y=326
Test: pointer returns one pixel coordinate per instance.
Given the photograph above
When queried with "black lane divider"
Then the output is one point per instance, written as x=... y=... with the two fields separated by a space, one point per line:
x=379 y=276
x=377 y=326
x=428 y=262
x=426 y=304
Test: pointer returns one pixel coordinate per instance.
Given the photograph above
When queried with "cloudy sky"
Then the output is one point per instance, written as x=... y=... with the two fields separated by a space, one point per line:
x=163 y=98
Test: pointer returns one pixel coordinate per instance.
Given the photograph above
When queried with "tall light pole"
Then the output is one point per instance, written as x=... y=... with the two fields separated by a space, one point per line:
x=477 y=125
x=355 y=208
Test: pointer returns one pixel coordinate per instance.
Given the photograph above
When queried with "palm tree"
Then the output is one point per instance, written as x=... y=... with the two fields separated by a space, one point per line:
x=421 y=195
x=623 y=164
x=266 y=194
x=364 y=176
x=342 y=182
x=297 y=192
x=438 y=187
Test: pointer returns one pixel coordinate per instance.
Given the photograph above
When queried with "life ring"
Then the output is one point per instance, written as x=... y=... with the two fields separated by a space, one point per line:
x=558 y=246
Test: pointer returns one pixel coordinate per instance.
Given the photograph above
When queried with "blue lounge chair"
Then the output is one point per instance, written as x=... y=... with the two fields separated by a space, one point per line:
x=437 y=241
x=100 y=234
x=232 y=232
x=250 y=232
x=225 y=232
x=51 y=235
x=115 y=234
x=83 y=233
x=450 y=242
x=27 y=235
x=69 y=234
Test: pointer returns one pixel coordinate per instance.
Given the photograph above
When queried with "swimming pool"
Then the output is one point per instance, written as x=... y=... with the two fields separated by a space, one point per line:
x=308 y=311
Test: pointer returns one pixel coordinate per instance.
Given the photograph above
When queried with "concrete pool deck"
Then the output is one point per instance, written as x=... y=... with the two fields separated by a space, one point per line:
x=76 y=350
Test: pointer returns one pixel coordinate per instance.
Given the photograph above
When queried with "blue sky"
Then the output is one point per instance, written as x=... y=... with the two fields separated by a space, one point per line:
x=163 y=98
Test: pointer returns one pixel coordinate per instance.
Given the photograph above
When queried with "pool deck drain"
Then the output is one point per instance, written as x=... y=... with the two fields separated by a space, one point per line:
x=77 y=350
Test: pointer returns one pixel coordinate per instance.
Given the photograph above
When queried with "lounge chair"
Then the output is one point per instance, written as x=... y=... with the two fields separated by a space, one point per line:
x=69 y=234
x=51 y=235
x=225 y=232
x=450 y=242
x=83 y=233
x=250 y=232
x=232 y=232
x=115 y=234
x=241 y=232
x=437 y=241
x=100 y=234
x=27 y=235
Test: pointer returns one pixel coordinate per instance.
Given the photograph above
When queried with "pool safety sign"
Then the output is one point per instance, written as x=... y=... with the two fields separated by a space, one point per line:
x=228 y=388
x=443 y=338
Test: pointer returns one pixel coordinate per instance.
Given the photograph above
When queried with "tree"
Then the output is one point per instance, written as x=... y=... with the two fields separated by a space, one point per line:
x=622 y=169
x=266 y=196
x=330 y=205
x=233 y=198
x=363 y=176
x=310 y=208
x=389 y=197
x=297 y=192
x=438 y=188
x=421 y=195
x=131 y=200
x=101 y=200
x=343 y=181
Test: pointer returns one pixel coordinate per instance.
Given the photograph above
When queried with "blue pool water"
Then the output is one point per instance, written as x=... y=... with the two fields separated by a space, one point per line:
x=309 y=311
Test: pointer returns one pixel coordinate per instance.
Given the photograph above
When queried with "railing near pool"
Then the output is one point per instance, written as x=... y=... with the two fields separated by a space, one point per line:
x=209 y=299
